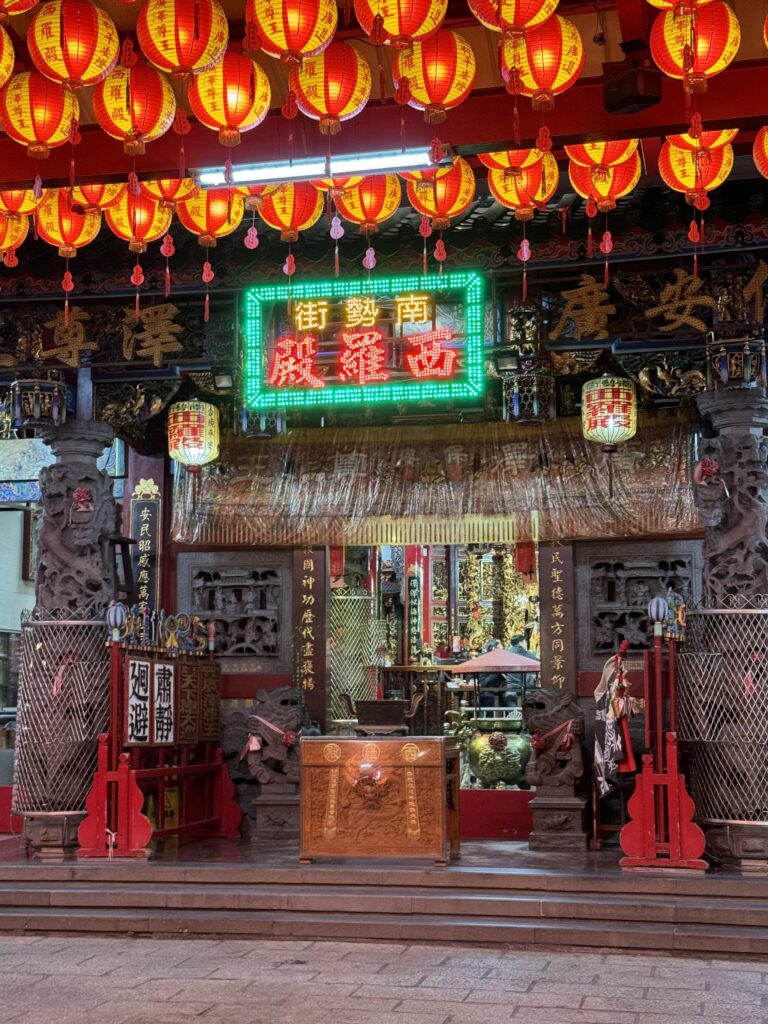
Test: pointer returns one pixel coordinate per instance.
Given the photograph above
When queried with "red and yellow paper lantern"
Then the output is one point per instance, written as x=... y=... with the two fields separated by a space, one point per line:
x=231 y=97
x=73 y=42
x=61 y=223
x=292 y=208
x=18 y=202
x=291 y=29
x=510 y=160
x=512 y=17
x=371 y=202
x=183 y=37
x=7 y=56
x=337 y=186
x=530 y=187
x=695 y=47
x=682 y=171
x=38 y=113
x=169 y=191
x=332 y=87
x=400 y=23
x=97 y=197
x=136 y=105
x=193 y=434
x=544 y=63
x=211 y=214
x=254 y=194
x=602 y=155
x=436 y=74
x=704 y=141
x=450 y=196
x=760 y=152
x=679 y=7
x=138 y=220
x=10 y=8
x=612 y=184
x=13 y=231
x=609 y=411
x=425 y=178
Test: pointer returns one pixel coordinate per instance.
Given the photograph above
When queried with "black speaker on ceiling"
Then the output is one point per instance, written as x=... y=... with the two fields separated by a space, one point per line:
x=632 y=90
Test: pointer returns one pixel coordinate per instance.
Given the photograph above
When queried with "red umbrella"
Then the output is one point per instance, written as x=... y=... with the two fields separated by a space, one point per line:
x=497 y=660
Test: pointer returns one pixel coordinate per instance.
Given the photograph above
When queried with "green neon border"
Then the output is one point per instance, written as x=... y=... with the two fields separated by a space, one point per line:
x=259 y=397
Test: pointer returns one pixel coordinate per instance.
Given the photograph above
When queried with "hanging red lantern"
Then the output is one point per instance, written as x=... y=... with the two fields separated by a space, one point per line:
x=97 y=197
x=37 y=112
x=599 y=156
x=425 y=179
x=336 y=186
x=695 y=47
x=682 y=171
x=18 y=203
x=437 y=73
x=371 y=202
x=193 y=434
x=73 y=42
x=605 y=189
x=512 y=17
x=10 y=8
x=450 y=195
x=512 y=161
x=533 y=186
x=211 y=214
x=704 y=141
x=400 y=23
x=135 y=105
x=291 y=29
x=332 y=87
x=7 y=56
x=61 y=224
x=760 y=152
x=169 y=191
x=13 y=231
x=138 y=220
x=609 y=411
x=231 y=97
x=543 y=64
x=679 y=7
x=292 y=208
x=183 y=37
x=254 y=194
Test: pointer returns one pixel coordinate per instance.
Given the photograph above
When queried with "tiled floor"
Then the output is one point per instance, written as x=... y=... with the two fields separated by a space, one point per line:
x=176 y=981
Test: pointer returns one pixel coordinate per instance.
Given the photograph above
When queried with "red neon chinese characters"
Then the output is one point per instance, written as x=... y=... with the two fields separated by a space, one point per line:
x=293 y=362
x=431 y=360
x=363 y=357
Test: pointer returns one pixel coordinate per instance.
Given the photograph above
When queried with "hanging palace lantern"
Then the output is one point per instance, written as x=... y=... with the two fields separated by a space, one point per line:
x=97 y=197
x=511 y=161
x=608 y=411
x=231 y=97
x=138 y=220
x=436 y=74
x=60 y=224
x=332 y=87
x=169 y=191
x=532 y=187
x=682 y=171
x=10 y=8
x=292 y=208
x=73 y=42
x=183 y=37
x=512 y=17
x=13 y=231
x=18 y=202
x=450 y=195
x=193 y=434
x=704 y=141
x=211 y=214
x=135 y=105
x=605 y=189
x=599 y=156
x=544 y=63
x=37 y=112
x=290 y=29
x=400 y=23
x=7 y=56
x=371 y=202
x=694 y=47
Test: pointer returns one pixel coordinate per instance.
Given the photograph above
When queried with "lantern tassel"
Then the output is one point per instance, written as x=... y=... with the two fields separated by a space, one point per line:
x=167 y=280
x=590 y=243
x=606 y=274
x=207 y=312
x=516 y=123
x=424 y=258
x=525 y=283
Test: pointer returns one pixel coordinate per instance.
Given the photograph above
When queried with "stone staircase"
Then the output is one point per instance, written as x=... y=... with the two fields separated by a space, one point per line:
x=712 y=914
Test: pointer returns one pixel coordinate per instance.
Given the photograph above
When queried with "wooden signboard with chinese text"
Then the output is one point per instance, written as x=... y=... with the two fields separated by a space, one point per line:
x=556 y=616
x=171 y=702
x=309 y=617
x=147 y=530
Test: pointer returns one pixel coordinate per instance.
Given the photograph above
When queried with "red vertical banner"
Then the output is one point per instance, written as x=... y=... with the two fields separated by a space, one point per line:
x=557 y=621
x=310 y=630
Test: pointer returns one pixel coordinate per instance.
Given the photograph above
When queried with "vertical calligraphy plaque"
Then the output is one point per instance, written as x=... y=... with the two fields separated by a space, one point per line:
x=210 y=702
x=188 y=703
x=309 y=616
x=138 y=676
x=163 y=703
x=556 y=611
x=414 y=615
x=147 y=530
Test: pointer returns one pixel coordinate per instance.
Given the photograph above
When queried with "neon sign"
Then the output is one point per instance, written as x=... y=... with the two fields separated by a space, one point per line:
x=346 y=342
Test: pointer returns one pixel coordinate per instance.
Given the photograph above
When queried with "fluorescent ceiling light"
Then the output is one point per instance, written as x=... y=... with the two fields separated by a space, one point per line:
x=316 y=167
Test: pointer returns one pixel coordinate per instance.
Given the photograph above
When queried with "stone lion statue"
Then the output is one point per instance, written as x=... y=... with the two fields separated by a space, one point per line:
x=556 y=724
x=271 y=752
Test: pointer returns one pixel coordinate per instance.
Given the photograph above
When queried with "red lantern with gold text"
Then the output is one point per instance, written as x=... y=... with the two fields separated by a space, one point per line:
x=97 y=197
x=371 y=202
x=759 y=152
x=169 y=191
x=290 y=29
x=232 y=97
x=600 y=156
x=254 y=194
x=512 y=17
x=37 y=112
x=704 y=141
x=604 y=189
x=337 y=186
x=18 y=203
x=7 y=57
x=679 y=7
x=332 y=87
x=533 y=186
x=183 y=37
x=138 y=220
x=292 y=208
x=135 y=105
x=400 y=23
x=436 y=74
x=69 y=228
x=10 y=8
x=450 y=196
x=211 y=214
x=13 y=231
x=73 y=42
x=681 y=171
x=695 y=47
x=543 y=64
x=512 y=161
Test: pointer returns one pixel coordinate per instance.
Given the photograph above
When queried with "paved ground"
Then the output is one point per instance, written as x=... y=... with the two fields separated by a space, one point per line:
x=146 y=981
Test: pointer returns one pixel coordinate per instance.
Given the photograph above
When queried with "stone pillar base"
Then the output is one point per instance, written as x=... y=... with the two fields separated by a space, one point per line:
x=52 y=835
x=559 y=820
x=741 y=846
x=273 y=814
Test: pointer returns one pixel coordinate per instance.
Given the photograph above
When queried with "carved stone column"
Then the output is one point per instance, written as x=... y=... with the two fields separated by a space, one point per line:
x=63 y=693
